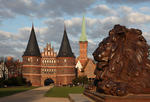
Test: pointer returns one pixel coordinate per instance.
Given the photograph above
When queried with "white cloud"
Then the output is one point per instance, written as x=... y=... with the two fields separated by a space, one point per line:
x=6 y=14
x=5 y=34
x=147 y=36
x=15 y=44
x=103 y=10
x=144 y=9
x=73 y=21
x=45 y=8
x=100 y=19
x=125 y=9
x=22 y=7
x=91 y=21
x=61 y=7
x=126 y=1
x=136 y=17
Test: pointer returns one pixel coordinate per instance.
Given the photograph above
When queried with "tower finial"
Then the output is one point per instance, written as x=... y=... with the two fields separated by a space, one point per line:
x=83 y=34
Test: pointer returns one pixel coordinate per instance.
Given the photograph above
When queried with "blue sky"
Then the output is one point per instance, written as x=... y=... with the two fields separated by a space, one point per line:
x=49 y=16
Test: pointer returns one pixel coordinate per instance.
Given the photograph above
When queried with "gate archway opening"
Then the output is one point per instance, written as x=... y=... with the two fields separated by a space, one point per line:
x=48 y=81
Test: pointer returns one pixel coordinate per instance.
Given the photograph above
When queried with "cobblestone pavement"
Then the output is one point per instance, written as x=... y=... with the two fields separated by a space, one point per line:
x=34 y=95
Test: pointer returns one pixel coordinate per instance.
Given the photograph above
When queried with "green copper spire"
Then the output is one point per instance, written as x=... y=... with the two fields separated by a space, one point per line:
x=83 y=34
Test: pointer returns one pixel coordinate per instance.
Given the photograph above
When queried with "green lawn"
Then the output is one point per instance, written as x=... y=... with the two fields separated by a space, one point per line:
x=13 y=90
x=63 y=91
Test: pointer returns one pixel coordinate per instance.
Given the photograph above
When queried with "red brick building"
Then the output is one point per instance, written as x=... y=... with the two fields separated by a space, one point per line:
x=60 y=68
x=39 y=67
x=48 y=64
x=32 y=61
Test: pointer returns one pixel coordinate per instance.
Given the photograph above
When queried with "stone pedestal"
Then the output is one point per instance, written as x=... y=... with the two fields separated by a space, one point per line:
x=98 y=97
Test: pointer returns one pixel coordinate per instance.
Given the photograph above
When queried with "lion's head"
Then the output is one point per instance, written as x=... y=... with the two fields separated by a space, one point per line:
x=123 y=66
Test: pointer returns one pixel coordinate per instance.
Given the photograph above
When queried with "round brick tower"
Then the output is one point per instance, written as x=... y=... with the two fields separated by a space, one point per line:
x=65 y=72
x=31 y=61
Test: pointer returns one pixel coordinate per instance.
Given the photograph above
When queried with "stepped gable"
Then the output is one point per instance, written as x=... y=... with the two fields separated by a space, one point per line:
x=65 y=48
x=32 y=47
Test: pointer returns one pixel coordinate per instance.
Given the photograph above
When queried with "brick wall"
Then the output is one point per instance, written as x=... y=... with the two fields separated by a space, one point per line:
x=65 y=70
x=32 y=70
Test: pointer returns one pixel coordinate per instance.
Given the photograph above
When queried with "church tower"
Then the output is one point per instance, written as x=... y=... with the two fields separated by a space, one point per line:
x=65 y=72
x=32 y=60
x=83 y=44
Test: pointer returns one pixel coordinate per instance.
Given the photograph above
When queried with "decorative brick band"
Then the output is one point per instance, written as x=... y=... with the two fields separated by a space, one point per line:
x=66 y=75
x=65 y=66
x=48 y=66
x=31 y=66
x=31 y=74
x=45 y=66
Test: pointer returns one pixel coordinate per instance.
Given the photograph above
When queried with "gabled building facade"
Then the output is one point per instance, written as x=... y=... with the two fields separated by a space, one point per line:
x=39 y=67
x=48 y=64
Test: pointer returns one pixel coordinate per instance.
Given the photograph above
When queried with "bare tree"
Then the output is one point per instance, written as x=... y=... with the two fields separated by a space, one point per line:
x=3 y=67
x=10 y=68
x=14 y=68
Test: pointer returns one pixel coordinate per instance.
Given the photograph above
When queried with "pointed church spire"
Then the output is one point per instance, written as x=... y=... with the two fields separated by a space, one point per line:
x=83 y=34
x=32 y=47
x=64 y=27
x=65 y=48
x=32 y=25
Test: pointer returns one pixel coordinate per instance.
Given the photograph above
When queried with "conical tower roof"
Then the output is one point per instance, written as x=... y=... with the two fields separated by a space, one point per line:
x=83 y=34
x=32 y=47
x=65 y=48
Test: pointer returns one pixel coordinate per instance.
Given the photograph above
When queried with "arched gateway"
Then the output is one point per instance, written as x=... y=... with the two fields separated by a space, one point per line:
x=48 y=81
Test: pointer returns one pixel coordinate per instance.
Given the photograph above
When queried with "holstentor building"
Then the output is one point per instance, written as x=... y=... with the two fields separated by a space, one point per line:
x=40 y=66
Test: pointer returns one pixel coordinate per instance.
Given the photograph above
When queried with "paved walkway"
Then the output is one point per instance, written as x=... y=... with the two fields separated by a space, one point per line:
x=79 y=98
x=35 y=95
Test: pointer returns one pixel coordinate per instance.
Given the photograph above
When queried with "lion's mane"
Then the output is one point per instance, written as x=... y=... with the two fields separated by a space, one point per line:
x=123 y=66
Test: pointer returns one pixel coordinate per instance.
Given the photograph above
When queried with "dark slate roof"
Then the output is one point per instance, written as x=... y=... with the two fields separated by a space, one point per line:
x=65 y=48
x=32 y=47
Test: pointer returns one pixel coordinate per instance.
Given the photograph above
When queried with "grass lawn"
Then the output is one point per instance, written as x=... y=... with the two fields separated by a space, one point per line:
x=13 y=90
x=63 y=91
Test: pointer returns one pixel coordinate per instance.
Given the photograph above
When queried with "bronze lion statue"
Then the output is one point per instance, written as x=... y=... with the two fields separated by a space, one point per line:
x=123 y=66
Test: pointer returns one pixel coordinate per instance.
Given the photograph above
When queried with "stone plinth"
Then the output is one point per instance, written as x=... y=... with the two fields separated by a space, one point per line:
x=98 y=97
